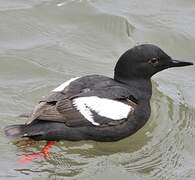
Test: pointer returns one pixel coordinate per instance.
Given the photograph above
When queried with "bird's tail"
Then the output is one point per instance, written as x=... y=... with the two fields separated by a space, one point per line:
x=38 y=130
x=14 y=131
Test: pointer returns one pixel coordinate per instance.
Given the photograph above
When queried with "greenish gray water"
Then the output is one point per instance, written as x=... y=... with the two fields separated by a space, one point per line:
x=45 y=42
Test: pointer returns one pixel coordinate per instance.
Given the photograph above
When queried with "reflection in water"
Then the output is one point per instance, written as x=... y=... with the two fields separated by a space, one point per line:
x=157 y=150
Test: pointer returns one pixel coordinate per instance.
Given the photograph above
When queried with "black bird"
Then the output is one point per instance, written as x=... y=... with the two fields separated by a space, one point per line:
x=97 y=107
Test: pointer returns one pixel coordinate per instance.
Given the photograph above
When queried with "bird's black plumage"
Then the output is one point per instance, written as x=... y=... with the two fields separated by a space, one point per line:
x=71 y=114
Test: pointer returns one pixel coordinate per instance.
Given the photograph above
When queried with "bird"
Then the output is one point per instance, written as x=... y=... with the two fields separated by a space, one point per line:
x=96 y=107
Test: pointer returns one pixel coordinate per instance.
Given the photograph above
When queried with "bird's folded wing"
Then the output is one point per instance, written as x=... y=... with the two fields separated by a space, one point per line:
x=58 y=107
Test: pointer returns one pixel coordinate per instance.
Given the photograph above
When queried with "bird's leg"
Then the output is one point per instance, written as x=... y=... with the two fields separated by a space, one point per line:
x=43 y=153
x=46 y=148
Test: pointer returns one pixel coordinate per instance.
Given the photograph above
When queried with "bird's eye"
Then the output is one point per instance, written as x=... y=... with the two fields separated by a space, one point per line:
x=153 y=61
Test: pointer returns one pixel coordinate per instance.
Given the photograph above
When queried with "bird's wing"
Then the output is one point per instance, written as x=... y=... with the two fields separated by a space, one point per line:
x=82 y=105
x=110 y=105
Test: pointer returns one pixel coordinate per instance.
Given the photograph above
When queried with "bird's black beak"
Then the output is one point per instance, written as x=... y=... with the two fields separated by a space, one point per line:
x=176 y=63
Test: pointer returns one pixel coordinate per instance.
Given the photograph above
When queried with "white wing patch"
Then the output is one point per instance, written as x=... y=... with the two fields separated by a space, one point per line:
x=84 y=110
x=65 y=84
x=108 y=108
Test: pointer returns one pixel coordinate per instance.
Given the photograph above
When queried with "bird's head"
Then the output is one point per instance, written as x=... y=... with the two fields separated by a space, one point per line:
x=144 y=61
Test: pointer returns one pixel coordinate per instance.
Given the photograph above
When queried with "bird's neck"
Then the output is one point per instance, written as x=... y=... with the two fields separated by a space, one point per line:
x=140 y=88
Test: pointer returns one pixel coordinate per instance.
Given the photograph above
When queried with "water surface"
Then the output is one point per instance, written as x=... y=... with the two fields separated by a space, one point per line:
x=45 y=42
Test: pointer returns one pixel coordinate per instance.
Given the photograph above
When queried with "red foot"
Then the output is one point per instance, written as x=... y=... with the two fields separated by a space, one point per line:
x=43 y=153
x=46 y=148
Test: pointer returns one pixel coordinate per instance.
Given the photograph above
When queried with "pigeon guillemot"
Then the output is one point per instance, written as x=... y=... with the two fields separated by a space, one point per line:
x=97 y=107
